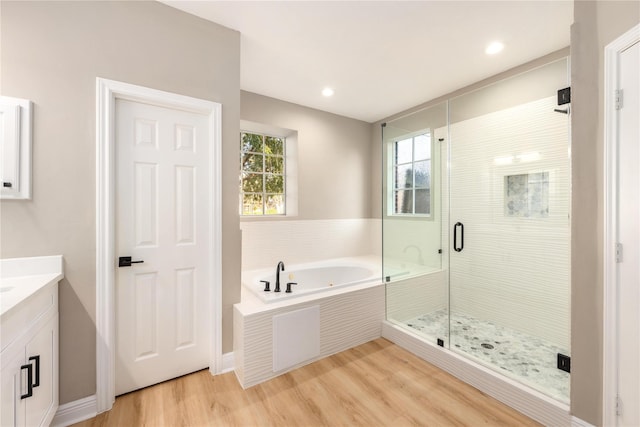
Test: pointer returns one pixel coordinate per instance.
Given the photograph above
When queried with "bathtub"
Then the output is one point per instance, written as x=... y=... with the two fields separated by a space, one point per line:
x=311 y=278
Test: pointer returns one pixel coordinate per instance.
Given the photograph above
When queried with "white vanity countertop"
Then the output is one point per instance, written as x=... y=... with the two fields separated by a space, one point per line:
x=22 y=277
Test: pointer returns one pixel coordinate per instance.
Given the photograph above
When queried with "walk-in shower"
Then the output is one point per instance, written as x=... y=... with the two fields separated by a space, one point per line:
x=476 y=222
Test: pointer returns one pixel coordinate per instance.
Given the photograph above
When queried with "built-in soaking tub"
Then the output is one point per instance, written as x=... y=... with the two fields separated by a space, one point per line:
x=311 y=278
x=337 y=304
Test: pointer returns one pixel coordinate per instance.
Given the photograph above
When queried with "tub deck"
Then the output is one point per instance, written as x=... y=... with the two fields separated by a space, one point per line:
x=349 y=316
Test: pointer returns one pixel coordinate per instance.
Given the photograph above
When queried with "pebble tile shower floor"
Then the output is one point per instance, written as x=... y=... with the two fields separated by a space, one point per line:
x=527 y=359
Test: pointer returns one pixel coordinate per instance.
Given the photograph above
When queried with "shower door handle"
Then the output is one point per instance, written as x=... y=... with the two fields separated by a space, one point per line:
x=455 y=237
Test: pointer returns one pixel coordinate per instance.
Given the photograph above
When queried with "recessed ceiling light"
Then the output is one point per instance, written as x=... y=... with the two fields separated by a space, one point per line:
x=327 y=91
x=494 y=48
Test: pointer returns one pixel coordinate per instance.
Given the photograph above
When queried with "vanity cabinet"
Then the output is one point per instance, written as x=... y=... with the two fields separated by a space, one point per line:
x=29 y=358
x=34 y=404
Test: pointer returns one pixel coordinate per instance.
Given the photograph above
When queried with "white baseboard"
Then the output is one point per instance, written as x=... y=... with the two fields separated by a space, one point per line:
x=577 y=422
x=76 y=411
x=228 y=363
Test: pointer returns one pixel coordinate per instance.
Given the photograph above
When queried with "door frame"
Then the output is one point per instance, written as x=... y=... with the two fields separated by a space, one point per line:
x=107 y=92
x=610 y=304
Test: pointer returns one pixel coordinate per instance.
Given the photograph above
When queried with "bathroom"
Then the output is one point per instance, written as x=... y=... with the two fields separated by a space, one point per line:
x=414 y=249
x=63 y=221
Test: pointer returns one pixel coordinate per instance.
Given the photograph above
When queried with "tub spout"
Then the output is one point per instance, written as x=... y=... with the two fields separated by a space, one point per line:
x=280 y=264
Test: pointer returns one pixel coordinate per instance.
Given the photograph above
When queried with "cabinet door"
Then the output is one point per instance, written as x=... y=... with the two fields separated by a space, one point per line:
x=15 y=148
x=12 y=410
x=42 y=352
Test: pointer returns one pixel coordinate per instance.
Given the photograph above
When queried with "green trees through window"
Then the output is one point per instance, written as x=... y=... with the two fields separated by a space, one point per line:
x=262 y=175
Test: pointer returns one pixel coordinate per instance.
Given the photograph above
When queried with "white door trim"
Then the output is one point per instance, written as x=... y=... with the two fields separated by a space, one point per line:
x=610 y=306
x=107 y=91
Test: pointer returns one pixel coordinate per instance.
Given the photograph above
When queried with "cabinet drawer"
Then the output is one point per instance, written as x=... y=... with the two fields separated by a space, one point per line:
x=36 y=308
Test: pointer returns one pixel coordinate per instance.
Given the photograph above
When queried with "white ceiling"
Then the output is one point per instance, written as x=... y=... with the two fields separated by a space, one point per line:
x=381 y=57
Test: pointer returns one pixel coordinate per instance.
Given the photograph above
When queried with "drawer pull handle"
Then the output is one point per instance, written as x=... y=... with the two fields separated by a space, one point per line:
x=29 y=369
x=36 y=383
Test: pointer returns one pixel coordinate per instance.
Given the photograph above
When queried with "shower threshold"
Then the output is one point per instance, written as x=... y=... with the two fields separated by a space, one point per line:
x=524 y=358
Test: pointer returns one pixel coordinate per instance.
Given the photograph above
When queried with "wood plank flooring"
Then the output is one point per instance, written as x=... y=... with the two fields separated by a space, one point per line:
x=375 y=384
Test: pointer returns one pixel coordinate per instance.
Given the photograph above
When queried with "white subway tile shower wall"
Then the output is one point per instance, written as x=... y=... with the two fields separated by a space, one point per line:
x=514 y=270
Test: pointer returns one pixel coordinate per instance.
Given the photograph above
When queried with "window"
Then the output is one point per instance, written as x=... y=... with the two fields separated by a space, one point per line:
x=262 y=175
x=411 y=172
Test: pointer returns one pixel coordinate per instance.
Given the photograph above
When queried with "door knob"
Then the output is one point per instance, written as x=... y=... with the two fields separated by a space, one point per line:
x=125 y=261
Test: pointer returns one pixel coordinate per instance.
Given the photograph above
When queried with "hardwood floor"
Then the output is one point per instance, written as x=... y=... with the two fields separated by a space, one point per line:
x=375 y=384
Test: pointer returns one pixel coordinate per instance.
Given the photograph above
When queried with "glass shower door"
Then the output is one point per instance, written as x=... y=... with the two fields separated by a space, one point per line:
x=414 y=159
x=509 y=229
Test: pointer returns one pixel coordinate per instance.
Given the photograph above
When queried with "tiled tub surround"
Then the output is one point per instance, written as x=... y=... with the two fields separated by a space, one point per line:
x=348 y=317
x=523 y=357
x=266 y=241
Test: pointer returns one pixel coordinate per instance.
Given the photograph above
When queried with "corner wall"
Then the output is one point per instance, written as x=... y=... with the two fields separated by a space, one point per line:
x=51 y=53
x=333 y=163
x=596 y=24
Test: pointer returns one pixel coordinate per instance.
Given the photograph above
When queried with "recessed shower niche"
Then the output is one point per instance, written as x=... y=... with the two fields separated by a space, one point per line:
x=527 y=195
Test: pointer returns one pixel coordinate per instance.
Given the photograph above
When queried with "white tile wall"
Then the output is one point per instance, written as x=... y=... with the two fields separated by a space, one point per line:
x=513 y=271
x=416 y=296
x=265 y=243
x=346 y=320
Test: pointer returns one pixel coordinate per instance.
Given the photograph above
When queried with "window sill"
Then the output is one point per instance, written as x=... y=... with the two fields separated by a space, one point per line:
x=257 y=218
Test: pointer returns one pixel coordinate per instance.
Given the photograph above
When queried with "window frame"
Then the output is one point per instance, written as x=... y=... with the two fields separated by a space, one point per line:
x=392 y=179
x=264 y=174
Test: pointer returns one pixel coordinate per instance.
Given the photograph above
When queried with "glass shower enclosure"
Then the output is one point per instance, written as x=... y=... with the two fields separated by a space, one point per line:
x=476 y=197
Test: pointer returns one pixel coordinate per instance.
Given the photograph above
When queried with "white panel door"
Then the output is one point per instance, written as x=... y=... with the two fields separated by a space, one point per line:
x=163 y=219
x=629 y=237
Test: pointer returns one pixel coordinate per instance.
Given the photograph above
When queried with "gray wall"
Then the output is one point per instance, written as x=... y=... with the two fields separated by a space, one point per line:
x=52 y=53
x=596 y=24
x=334 y=157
